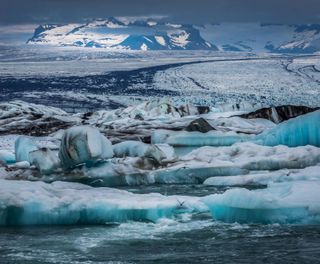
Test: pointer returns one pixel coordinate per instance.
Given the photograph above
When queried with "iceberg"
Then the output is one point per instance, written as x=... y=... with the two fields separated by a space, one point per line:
x=185 y=139
x=300 y=131
x=83 y=144
x=61 y=203
x=284 y=203
x=23 y=146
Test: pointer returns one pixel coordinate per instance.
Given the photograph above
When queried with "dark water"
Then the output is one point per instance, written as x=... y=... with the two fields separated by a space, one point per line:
x=198 y=241
x=189 y=239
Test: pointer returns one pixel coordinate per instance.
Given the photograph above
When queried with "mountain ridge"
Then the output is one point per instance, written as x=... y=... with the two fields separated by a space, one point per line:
x=120 y=33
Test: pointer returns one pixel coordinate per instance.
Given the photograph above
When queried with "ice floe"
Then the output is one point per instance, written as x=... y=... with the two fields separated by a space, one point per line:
x=59 y=203
x=285 y=203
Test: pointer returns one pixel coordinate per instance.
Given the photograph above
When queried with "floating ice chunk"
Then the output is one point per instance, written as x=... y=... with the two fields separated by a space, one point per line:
x=60 y=203
x=256 y=179
x=299 y=131
x=7 y=157
x=83 y=144
x=138 y=149
x=296 y=202
x=23 y=146
x=212 y=138
x=45 y=160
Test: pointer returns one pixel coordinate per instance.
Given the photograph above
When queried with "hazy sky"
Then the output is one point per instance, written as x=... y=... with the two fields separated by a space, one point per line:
x=191 y=11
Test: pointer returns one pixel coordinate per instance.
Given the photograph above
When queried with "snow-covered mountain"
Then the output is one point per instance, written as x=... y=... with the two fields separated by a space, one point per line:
x=140 y=33
x=123 y=34
x=263 y=37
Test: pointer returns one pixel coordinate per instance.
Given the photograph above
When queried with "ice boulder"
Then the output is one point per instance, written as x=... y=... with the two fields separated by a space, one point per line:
x=23 y=146
x=7 y=157
x=299 y=131
x=45 y=159
x=139 y=149
x=285 y=203
x=83 y=144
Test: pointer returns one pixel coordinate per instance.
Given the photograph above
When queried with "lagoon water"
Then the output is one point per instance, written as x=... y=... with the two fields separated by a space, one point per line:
x=196 y=239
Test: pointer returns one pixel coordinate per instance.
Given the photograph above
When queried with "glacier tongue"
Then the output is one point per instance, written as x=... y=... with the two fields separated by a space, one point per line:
x=286 y=203
x=59 y=203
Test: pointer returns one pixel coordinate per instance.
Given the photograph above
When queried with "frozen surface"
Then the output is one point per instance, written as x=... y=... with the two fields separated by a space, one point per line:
x=108 y=81
x=271 y=81
x=296 y=202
